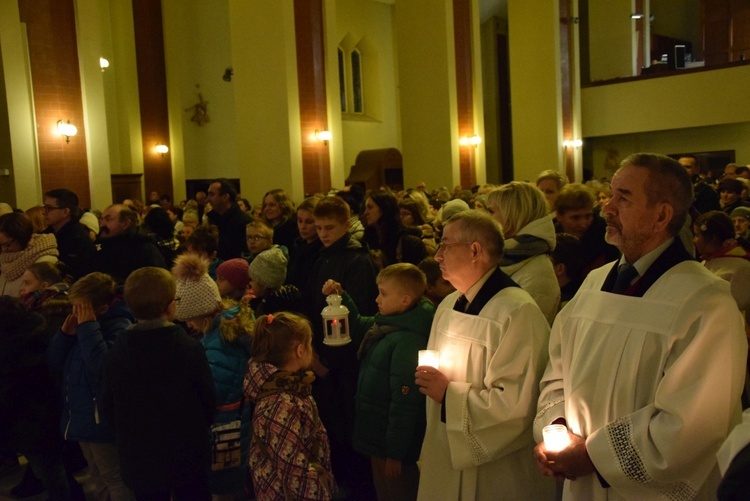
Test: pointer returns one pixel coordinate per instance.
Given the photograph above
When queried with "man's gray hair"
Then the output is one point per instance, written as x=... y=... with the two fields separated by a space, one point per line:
x=475 y=226
x=668 y=181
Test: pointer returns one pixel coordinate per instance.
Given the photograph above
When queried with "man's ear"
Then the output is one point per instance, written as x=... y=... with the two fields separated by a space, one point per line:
x=102 y=310
x=476 y=249
x=664 y=215
x=560 y=269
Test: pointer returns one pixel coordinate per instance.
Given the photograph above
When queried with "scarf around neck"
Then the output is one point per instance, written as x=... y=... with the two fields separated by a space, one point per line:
x=522 y=247
x=297 y=383
x=13 y=264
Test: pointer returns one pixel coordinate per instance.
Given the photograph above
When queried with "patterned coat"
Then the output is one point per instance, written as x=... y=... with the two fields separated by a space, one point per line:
x=289 y=455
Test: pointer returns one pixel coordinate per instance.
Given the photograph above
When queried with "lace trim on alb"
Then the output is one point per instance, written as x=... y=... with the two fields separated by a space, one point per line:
x=622 y=444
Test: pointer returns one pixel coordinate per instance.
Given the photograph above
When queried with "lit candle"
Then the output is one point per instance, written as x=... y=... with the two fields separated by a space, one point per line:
x=556 y=437
x=430 y=358
x=336 y=329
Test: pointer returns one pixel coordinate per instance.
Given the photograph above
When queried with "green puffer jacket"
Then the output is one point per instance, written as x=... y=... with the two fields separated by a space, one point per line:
x=390 y=410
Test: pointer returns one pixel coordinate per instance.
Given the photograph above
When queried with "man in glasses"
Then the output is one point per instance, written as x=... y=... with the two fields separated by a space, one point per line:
x=492 y=339
x=62 y=215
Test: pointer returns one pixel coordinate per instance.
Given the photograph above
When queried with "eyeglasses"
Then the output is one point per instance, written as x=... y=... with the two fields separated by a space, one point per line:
x=444 y=247
x=47 y=208
x=256 y=238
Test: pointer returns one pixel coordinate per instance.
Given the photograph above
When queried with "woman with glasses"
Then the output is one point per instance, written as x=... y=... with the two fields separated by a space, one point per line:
x=19 y=248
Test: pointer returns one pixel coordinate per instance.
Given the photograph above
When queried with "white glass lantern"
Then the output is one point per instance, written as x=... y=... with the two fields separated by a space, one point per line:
x=335 y=322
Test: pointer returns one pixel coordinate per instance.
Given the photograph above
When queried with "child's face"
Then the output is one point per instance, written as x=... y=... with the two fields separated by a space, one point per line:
x=256 y=241
x=225 y=288
x=306 y=225
x=441 y=288
x=30 y=283
x=391 y=298
x=330 y=230
x=258 y=289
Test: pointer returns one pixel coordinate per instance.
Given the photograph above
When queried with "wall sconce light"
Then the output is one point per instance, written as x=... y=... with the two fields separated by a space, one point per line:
x=323 y=135
x=637 y=15
x=573 y=143
x=470 y=141
x=66 y=129
x=103 y=64
x=162 y=148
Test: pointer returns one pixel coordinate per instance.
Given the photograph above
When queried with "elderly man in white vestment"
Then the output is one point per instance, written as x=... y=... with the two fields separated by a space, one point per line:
x=492 y=340
x=647 y=361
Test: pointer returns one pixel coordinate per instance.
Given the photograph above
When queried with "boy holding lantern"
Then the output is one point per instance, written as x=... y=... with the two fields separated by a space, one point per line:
x=344 y=259
x=389 y=422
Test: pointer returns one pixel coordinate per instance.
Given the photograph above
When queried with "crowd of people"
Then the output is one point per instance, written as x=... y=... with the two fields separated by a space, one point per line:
x=178 y=350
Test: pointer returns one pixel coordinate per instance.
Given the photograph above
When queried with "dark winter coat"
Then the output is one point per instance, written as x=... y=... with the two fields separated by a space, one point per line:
x=286 y=233
x=348 y=262
x=121 y=255
x=76 y=249
x=302 y=257
x=30 y=402
x=80 y=359
x=390 y=411
x=159 y=392
x=231 y=226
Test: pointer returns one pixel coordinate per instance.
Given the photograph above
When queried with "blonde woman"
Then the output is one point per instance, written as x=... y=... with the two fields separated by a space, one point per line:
x=521 y=210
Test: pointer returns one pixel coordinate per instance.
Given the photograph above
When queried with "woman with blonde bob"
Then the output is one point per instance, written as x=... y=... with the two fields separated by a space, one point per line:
x=521 y=210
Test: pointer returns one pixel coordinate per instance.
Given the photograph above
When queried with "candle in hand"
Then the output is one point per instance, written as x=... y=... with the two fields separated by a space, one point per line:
x=430 y=358
x=556 y=437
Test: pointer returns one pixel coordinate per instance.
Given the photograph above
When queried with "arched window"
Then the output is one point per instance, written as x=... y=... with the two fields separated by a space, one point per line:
x=357 y=82
x=342 y=80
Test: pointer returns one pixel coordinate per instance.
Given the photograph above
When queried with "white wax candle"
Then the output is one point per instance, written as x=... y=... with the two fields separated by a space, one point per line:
x=430 y=358
x=556 y=437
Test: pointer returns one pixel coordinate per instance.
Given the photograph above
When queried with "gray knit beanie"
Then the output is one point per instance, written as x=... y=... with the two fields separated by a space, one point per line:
x=269 y=268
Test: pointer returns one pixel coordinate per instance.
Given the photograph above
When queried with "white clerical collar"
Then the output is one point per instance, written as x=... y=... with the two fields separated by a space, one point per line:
x=645 y=261
x=474 y=289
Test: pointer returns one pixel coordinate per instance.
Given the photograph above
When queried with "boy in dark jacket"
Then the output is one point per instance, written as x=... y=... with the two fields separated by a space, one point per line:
x=389 y=424
x=346 y=261
x=159 y=391
x=77 y=351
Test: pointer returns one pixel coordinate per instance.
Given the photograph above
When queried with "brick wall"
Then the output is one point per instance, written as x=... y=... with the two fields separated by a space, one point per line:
x=464 y=88
x=53 y=55
x=152 y=92
x=308 y=22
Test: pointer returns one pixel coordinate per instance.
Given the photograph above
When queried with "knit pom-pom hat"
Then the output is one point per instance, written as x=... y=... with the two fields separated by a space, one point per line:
x=197 y=295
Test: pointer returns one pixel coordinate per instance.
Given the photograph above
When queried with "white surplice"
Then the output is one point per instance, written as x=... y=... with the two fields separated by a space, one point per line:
x=494 y=361
x=653 y=383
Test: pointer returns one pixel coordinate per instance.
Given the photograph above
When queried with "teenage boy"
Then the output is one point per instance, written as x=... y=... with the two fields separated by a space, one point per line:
x=159 y=392
x=343 y=259
x=389 y=423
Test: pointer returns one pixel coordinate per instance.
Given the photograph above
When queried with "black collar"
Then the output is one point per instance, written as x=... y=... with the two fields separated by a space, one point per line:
x=672 y=255
x=497 y=282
